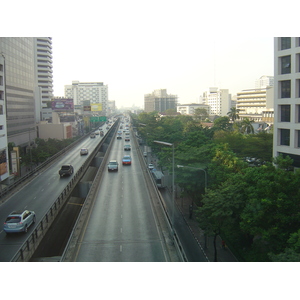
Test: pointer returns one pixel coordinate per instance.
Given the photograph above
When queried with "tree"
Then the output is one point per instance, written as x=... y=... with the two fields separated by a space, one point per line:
x=233 y=114
x=246 y=126
x=222 y=123
x=201 y=114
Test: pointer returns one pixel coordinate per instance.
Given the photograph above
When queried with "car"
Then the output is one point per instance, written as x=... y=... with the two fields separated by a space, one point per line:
x=84 y=151
x=126 y=160
x=19 y=221
x=112 y=165
x=145 y=154
x=127 y=139
x=66 y=170
x=151 y=166
x=92 y=135
x=127 y=147
x=97 y=132
x=119 y=137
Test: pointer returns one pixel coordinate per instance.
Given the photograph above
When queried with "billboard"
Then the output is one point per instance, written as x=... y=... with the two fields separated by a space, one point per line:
x=96 y=107
x=62 y=105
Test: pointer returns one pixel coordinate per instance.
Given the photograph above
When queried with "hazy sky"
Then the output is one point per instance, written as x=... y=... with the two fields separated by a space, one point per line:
x=138 y=46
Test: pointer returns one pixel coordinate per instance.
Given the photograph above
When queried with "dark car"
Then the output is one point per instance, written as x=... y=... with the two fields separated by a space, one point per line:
x=66 y=170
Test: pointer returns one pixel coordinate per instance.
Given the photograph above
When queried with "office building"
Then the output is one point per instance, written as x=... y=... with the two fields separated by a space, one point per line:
x=18 y=56
x=4 y=172
x=159 y=101
x=264 y=81
x=94 y=92
x=219 y=101
x=287 y=98
x=253 y=102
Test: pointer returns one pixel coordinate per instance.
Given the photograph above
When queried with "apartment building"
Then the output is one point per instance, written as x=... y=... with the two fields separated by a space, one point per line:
x=287 y=98
x=159 y=101
x=94 y=92
x=219 y=101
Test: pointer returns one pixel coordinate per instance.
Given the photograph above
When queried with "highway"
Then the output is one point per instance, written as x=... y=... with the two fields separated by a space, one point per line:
x=122 y=226
x=39 y=194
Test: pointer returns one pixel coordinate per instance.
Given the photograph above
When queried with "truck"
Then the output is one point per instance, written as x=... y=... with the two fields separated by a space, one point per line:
x=66 y=170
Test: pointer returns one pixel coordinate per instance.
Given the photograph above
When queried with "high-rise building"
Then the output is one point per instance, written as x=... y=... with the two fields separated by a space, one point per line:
x=4 y=172
x=218 y=100
x=160 y=101
x=18 y=55
x=94 y=92
x=287 y=98
x=43 y=73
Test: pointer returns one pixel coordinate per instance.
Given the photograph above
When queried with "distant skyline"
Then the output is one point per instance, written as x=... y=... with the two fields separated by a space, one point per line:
x=233 y=63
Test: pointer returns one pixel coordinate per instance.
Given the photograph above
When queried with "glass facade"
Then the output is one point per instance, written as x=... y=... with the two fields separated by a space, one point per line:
x=20 y=80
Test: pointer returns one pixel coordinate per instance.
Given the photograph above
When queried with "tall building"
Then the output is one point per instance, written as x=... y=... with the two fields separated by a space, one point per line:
x=251 y=103
x=18 y=55
x=218 y=100
x=4 y=172
x=287 y=98
x=43 y=73
x=160 y=101
x=94 y=92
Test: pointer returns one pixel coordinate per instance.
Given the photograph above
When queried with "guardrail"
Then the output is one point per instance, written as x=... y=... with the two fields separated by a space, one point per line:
x=27 y=249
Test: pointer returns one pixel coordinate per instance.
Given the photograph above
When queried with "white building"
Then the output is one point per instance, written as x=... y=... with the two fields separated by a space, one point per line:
x=94 y=92
x=189 y=109
x=264 y=81
x=287 y=98
x=251 y=103
x=218 y=100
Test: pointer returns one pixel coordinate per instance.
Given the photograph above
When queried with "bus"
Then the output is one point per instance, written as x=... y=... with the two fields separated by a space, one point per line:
x=159 y=178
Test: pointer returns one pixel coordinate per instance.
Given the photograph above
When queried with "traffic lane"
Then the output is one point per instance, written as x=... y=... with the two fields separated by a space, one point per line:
x=38 y=195
x=188 y=242
x=122 y=225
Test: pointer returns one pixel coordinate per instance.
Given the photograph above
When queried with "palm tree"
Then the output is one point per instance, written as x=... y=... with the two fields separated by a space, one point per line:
x=246 y=126
x=233 y=114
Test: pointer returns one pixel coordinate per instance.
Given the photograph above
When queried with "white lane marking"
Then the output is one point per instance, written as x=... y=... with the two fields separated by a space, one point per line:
x=121 y=248
x=121 y=230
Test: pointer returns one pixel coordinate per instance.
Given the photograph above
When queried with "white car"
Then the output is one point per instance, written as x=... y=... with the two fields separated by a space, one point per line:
x=151 y=166
x=84 y=151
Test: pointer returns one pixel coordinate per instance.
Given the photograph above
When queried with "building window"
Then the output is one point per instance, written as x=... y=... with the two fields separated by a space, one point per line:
x=285 y=43
x=297 y=117
x=285 y=64
x=297 y=138
x=284 y=137
x=285 y=113
x=285 y=89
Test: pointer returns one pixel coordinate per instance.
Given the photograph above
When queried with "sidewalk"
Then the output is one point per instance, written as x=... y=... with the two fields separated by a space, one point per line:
x=223 y=255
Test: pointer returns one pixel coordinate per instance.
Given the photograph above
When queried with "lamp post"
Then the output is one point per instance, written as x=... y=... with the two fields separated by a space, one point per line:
x=205 y=173
x=173 y=178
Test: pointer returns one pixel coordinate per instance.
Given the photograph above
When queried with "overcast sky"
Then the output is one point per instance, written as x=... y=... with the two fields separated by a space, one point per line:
x=137 y=46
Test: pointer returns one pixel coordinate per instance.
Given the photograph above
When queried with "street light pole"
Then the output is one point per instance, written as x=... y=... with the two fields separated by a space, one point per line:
x=173 y=178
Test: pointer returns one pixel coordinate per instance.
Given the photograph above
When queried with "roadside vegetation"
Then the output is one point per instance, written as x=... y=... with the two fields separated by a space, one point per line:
x=251 y=200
